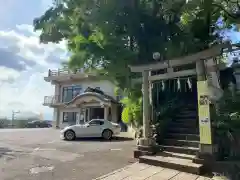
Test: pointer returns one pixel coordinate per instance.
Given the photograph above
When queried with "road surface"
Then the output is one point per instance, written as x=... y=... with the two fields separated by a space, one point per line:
x=39 y=154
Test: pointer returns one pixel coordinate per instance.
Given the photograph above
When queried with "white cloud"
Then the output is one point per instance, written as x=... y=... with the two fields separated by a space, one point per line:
x=25 y=28
x=7 y=74
x=26 y=62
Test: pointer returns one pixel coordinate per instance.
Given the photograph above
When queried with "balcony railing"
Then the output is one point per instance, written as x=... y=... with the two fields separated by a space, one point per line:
x=51 y=100
x=64 y=71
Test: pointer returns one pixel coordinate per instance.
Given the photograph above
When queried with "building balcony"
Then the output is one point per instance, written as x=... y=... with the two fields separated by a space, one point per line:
x=65 y=74
x=52 y=101
x=57 y=100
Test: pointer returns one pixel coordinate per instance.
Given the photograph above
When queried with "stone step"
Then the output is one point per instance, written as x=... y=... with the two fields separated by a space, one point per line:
x=183 y=130
x=177 y=155
x=185 y=116
x=138 y=153
x=179 y=164
x=176 y=142
x=185 y=120
x=180 y=149
x=189 y=108
x=182 y=114
x=188 y=112
x=184 y=124
x=145 y=148
x=190 y=137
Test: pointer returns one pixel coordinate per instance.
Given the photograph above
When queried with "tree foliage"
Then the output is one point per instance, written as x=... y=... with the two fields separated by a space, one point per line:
x=132 y=111
x=111 y=34
x=108 y=35
x=227 y=124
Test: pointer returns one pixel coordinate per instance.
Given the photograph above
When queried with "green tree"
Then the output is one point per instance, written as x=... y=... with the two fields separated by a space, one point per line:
x=108 y=35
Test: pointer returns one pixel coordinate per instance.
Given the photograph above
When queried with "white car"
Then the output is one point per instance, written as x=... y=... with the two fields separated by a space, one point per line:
x=94 y=128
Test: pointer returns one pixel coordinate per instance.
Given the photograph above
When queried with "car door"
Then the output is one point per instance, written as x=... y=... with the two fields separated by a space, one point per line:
x=95 y=128
x=81 y=130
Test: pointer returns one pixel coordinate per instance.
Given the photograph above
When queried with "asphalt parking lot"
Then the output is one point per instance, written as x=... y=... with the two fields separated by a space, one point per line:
x=39 y=154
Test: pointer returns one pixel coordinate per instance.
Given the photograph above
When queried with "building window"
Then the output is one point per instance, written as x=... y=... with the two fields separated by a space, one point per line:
x=71 y=92
x=70 y=117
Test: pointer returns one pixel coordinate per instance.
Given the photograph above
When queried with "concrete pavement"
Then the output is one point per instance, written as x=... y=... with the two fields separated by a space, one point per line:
x=39 y=154
x=138 y=171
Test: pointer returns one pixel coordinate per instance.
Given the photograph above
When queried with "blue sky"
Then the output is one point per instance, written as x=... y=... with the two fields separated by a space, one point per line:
x=24 y=62
x=19 y=12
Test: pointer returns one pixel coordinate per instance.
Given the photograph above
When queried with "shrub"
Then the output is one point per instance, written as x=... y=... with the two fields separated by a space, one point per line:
x=227 y=126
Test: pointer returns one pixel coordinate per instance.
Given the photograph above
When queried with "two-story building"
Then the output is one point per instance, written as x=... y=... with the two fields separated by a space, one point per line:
x=80 y=97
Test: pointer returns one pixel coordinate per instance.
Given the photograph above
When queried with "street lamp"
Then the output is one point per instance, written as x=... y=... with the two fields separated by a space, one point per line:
x=156 y=56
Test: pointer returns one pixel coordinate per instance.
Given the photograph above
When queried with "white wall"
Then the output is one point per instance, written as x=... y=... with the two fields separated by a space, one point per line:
x=61 y=124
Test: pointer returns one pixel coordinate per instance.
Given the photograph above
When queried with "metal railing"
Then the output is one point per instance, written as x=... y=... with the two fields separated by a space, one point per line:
x=50 y=100
x=64 y=71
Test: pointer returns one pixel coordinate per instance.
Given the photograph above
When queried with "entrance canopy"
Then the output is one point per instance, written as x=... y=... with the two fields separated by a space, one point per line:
x=92 y=97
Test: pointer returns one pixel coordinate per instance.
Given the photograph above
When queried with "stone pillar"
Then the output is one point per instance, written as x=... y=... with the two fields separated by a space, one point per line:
x=206 y=151
x=81 y=115
x=146 y=120
x=89 y=114
x=56 y=111
x=150 y=99
x=147 y=141
x=84 y=115
x=78 y=115
x=213 y=80
x=57 y=93
x=56 y=117
x=200 y=68
x=106 y=112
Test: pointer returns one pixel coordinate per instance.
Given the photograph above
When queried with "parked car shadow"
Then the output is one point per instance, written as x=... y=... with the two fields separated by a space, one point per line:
x=114 y=139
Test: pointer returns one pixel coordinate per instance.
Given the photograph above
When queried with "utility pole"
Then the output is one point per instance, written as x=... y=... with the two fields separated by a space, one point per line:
x=1 y=83
x=14 y=116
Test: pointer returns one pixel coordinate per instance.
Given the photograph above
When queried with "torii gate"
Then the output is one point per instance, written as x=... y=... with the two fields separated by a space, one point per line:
x=204 y=64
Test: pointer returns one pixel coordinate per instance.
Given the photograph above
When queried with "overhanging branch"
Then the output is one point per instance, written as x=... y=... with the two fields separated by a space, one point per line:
x=228 y=13
x=233 y=2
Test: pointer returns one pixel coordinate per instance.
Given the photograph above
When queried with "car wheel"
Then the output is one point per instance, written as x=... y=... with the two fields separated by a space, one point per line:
x=69 y=135
x=107 y=134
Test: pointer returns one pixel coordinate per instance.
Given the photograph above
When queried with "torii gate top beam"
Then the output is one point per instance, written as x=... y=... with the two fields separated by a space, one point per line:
x=206 y=54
